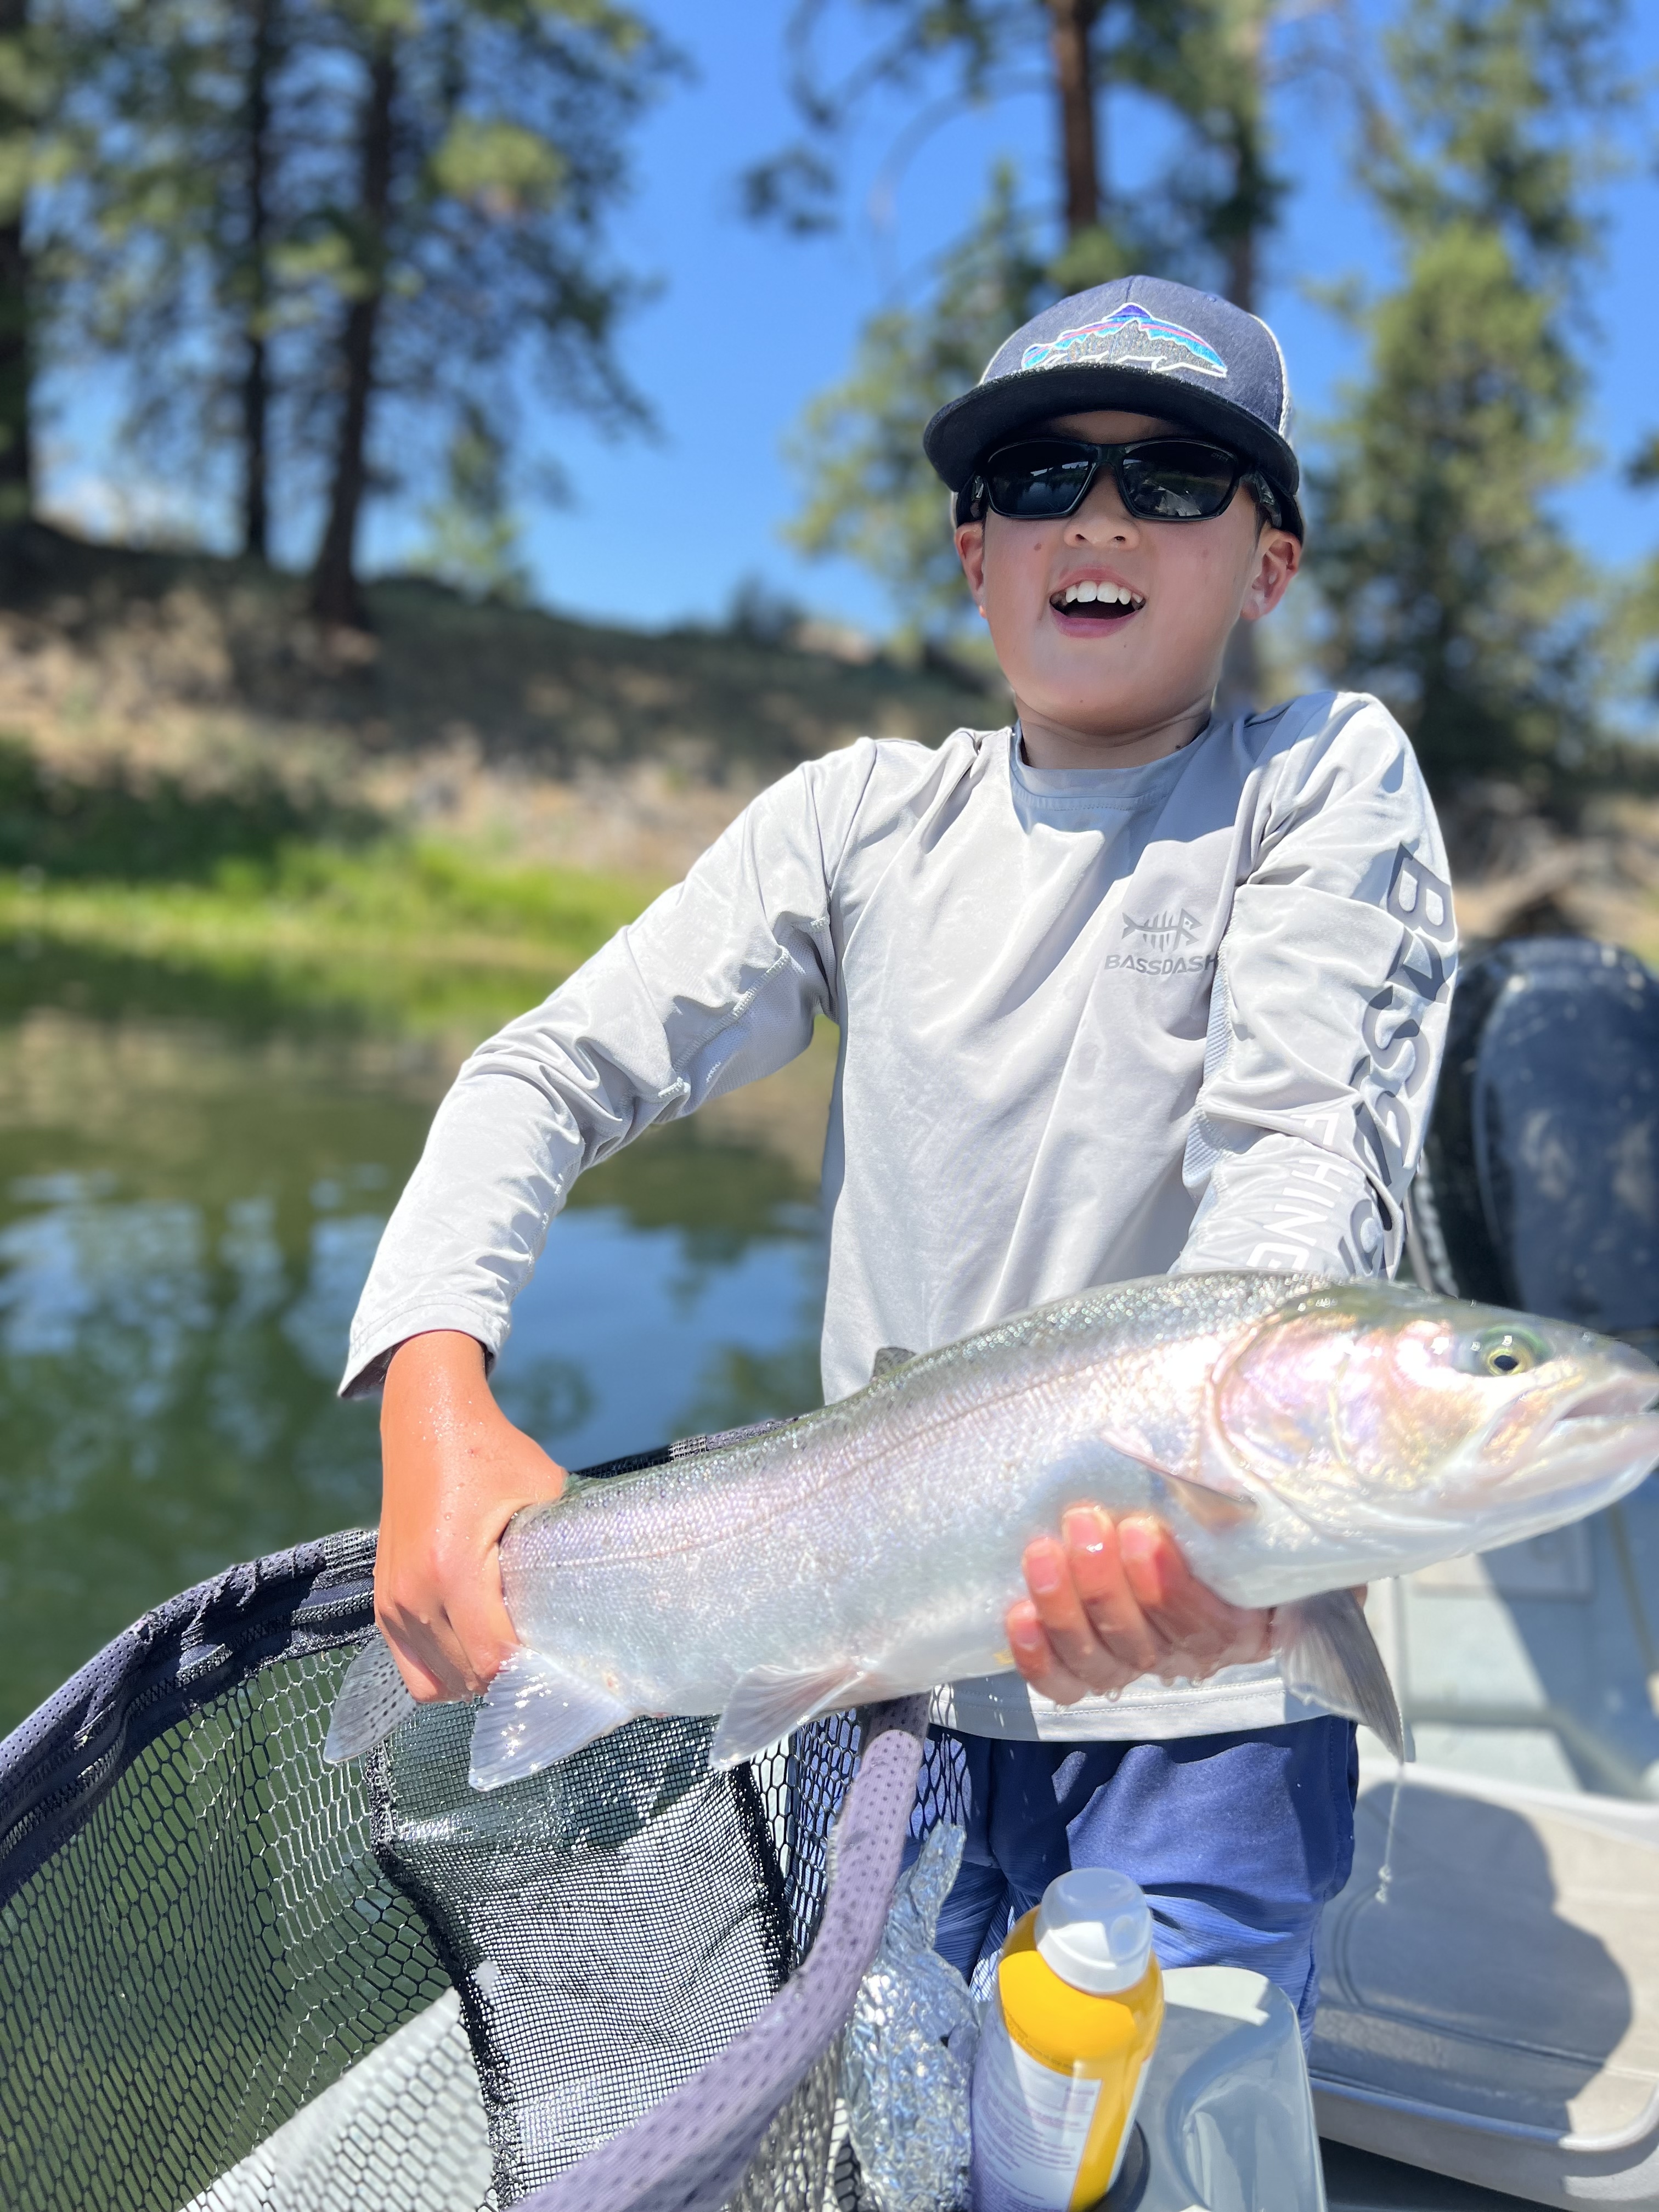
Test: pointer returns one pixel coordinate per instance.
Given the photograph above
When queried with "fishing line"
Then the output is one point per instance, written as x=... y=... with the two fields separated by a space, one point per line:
x=1385 y=1872
x=1396 y=1662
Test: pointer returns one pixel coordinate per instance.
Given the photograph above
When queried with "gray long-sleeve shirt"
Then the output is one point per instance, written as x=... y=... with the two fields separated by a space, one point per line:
x=1094 y=1024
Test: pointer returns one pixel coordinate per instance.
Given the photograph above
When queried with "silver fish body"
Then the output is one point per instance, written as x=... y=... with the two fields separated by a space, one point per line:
x=1298 y=1437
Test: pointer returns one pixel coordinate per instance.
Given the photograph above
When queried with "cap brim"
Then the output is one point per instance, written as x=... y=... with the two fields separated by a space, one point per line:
x=966 y=429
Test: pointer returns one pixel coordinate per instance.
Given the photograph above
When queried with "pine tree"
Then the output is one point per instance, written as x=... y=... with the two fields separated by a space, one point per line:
x=472 y=533
x=313 y=232
x=26 y=87
x=181 y=120
x=1449 y=586
x=1635 y=626
x=489 y=145
x=871 y=493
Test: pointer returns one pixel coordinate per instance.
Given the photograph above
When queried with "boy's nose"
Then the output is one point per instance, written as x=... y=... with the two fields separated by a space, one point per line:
x=1103 y=514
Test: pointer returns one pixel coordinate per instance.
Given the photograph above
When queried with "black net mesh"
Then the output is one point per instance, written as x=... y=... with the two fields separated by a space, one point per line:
x=757 y=2124
x=609 y=1925
x=195 y=1936
x=234 y=1978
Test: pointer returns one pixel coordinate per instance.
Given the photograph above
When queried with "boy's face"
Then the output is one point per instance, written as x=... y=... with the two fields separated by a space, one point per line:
x=1126 y=680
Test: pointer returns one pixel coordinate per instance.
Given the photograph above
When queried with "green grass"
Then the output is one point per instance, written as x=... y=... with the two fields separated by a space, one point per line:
x=398 y=934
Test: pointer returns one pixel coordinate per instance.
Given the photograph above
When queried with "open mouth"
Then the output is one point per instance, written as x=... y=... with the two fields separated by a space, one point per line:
x=1608 y=1424
x=1616 y=1398
x=1097 y=602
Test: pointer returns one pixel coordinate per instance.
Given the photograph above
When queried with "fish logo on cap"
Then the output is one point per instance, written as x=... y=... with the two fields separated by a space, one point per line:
x=1130 y=336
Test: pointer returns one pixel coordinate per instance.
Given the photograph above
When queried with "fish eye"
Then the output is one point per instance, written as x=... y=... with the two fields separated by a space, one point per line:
x=1502 y=1351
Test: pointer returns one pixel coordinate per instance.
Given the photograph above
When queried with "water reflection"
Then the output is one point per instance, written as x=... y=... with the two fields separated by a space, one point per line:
x=185 y=1221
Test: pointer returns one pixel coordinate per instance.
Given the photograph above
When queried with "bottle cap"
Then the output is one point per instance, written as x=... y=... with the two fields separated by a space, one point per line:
x=1095 y=1929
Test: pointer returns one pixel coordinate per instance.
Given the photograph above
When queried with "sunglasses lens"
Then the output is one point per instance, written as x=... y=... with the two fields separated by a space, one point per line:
x=1035 y=483
x=1171 y=480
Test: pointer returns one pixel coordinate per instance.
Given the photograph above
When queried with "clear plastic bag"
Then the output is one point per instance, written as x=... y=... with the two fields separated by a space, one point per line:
x=909 y=2060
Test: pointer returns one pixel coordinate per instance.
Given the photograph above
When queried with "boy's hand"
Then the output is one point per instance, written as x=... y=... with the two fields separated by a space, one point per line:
x=1116 y=1601
x=455 y=1471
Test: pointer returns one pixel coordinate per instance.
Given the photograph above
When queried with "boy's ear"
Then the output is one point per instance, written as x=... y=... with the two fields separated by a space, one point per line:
x=1278 y=557
x=970 y=551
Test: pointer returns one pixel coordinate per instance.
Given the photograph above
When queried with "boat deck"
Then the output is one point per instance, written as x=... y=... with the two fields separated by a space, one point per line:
x=1491 y=1974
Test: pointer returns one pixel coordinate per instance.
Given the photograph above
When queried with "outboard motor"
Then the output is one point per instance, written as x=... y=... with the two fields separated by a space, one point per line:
x=1540 y=1187
x=1483 y=1972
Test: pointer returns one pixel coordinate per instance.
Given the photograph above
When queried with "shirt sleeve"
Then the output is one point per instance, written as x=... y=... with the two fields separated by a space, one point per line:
x=715 y=985
x=1328 y=1019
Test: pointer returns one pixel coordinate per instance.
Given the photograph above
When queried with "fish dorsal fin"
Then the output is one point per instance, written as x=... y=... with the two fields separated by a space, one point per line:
x=1217 y=1511
x=1325 y=1647
x=890 y=1357
x=533 y=1715
x=770 y=1702
x=373 y=1698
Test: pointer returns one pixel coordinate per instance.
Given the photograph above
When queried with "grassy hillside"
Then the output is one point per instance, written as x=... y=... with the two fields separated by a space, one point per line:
x=208 y=804
x=108 y=637
x=207 y=801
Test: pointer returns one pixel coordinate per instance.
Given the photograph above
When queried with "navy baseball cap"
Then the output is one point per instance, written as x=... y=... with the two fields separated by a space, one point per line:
x=1138 y=342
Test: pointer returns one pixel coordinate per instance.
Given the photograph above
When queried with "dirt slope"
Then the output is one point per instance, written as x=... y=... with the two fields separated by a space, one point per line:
x=563 y=738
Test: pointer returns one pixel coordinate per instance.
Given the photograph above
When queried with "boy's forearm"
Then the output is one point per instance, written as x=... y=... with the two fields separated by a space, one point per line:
x=1286 y=1206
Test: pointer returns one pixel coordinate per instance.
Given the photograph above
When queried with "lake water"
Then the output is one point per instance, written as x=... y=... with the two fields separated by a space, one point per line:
x=186 y=1216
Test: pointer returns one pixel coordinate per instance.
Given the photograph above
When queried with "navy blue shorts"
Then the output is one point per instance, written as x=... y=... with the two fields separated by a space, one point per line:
x=1238 y=1840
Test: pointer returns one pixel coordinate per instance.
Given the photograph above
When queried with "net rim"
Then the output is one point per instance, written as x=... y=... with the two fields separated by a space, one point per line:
x=57 y=1765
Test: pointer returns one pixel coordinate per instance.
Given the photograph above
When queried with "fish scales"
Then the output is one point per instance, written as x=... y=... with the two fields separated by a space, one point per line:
x=1298 y=1436
x=782 y=1536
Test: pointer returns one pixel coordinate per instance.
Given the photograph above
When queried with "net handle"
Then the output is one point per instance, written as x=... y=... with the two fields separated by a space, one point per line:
x=689 y=2152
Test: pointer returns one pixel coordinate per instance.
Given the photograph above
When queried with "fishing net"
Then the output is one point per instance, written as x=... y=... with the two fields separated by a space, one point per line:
x=234 y=1978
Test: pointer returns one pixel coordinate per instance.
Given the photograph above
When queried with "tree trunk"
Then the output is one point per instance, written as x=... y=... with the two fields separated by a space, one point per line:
x=16 y=348
x=1072 y=20
x=335 y=594
x=1249 y=178
x=1244 y=680
x=256 y=373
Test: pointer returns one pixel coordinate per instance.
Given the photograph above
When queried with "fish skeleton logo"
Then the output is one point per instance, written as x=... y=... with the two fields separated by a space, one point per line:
x=1131 y=336
x=1162 y=931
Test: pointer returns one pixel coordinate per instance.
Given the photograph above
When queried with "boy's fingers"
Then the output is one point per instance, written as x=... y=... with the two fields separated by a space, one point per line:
x=484 y=1629
x=420 y=1681
x=1114 y=1612
x=1071 y=1632
x=1054 y=1607
x=1199 y=1630
x=1036 y=1657
x=428 y=1655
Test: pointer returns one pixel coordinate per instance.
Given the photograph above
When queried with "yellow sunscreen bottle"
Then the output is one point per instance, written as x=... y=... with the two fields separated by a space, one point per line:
x=1062 y=2056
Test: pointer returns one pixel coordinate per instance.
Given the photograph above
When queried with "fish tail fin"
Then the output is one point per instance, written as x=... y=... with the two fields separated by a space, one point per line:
x=533 y=1714
x=373 y=1701
x=1325 y=1648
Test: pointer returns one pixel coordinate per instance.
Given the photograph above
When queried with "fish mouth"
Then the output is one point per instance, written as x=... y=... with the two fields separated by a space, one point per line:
x=1606 y=1428
x=1613 y=1397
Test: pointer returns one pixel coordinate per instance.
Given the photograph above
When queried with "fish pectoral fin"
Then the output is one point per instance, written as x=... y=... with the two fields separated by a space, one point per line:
x=534 y=1714
x=1215 y=1509
x=1325 y=1647
x=890 y=1357
x=769 y=1702
x=372 y=1699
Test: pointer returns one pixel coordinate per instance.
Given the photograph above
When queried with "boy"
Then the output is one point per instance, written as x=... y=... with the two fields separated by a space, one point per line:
x=1121 y=990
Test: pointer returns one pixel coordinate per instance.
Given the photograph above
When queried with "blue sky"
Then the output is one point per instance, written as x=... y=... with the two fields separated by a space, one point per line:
x=748 y=325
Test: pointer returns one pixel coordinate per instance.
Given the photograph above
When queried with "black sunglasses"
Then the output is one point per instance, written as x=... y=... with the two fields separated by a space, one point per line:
x=1158 y=480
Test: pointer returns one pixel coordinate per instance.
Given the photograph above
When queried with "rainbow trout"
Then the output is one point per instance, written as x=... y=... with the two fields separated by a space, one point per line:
x=1298 y=1437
